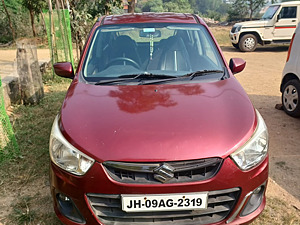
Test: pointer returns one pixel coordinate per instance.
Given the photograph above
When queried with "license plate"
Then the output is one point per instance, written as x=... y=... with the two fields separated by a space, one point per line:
x=168 y=202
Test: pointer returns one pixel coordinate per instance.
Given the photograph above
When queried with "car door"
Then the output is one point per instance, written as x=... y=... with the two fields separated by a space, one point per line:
x=286 y=23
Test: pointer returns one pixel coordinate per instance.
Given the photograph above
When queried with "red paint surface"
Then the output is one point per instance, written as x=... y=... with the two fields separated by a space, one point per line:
x=97 y=181
x=157 y=122
x=285 y=27
x=149 y=18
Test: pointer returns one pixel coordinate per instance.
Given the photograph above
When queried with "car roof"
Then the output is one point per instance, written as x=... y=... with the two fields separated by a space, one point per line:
x=288 y=3
x=150 y=18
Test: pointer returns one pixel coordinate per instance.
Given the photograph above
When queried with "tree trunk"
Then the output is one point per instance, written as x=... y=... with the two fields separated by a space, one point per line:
x=44 y=24
x=32 y=22
x=31 y=84
x=81 y=43
x=131 y=6
x=107 y=11
x=77 y=48
x=9 y=21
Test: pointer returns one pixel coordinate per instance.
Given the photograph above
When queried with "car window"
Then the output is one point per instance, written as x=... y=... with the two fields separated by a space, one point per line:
x=288 y=12
x=270 y=12
x=168 y=49
x=205 y=48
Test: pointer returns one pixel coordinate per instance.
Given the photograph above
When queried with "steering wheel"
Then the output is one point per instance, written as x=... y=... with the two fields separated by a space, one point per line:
x=124 y=59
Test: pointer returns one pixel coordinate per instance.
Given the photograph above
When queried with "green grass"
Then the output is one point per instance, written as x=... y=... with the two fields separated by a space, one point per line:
x=22 y=177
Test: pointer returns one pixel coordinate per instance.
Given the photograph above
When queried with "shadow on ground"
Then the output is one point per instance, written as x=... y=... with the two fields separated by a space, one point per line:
x=259 y=49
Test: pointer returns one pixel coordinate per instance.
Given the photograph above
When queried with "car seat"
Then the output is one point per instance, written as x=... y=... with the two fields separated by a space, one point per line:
x=124 y=46
x=171 y=55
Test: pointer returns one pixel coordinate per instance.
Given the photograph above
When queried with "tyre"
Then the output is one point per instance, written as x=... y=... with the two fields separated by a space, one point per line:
x=236 y=46
x=291 y=97
x=248 y=43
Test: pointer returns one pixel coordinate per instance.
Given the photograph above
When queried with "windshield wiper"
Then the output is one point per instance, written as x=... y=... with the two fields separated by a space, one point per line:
x=118 y=79
x=134 y=77
x=201 y=73
x=156 y=78
x=190 y=75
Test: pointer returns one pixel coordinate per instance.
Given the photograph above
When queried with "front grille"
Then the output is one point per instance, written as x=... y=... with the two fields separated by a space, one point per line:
x=164 y=172
x=108 y=209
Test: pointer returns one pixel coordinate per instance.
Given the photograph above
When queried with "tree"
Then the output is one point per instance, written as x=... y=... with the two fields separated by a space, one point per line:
x=9 y=21
x=203 y=6
x=237 y=11
x=241 y=7
x=99 y=7
x=131 y=6
x=152 y=6
x=209 y=8
x=255 y=5
x=178 y=6
x=34 y=7
x=165 y=6
x=84 y=13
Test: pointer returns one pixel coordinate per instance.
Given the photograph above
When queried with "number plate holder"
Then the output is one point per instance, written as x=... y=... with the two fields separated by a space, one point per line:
x=164 y=202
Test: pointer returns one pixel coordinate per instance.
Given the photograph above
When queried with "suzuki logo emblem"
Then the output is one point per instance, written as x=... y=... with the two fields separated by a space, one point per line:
x=164 y=173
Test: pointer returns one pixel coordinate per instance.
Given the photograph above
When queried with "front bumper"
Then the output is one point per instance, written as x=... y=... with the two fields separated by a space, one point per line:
x=98 y=183
x=234 y=37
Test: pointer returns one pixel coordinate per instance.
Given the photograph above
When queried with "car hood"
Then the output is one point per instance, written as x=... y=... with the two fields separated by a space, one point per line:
x=157 y=122
x=254 y=23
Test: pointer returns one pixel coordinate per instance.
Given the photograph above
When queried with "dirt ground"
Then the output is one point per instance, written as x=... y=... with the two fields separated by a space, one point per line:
x=8 y=60
x=261 y=80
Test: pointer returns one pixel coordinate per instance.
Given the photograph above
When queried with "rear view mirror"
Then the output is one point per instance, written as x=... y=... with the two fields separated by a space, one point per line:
x=64 y=69
x=146 y=32
x=237 y=65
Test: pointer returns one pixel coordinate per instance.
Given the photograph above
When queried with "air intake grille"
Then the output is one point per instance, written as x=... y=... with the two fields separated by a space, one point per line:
x=108 y=210
x=164 y=172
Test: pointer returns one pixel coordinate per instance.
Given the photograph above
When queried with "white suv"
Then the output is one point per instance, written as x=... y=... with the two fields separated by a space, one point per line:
x=290 y=84
x=276 y=26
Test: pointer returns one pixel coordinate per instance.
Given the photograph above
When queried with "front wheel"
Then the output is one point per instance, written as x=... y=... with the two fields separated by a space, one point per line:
x=248 y=43
x=290 y=98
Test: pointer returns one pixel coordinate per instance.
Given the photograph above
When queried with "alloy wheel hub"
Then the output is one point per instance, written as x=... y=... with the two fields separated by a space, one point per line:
x=249 y=43
x=290 y=98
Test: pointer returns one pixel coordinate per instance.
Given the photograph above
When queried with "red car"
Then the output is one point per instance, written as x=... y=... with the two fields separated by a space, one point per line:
x=155 y=129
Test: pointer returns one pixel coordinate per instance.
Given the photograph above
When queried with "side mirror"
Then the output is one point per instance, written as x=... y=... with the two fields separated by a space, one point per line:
x=237 y=65
x=64 y=69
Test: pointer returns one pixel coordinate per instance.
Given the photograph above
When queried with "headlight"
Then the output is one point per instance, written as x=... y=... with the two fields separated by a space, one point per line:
x=237 y=28
x=66 y=156
x=256 y=148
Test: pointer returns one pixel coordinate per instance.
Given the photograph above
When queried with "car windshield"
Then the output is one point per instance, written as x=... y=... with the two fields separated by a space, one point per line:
x=156 y=49
x=270 y=12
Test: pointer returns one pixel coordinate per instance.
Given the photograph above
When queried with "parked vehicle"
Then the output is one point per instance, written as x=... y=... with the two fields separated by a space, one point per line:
x=290 y=84
x=155 y=129
x=277 y=25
